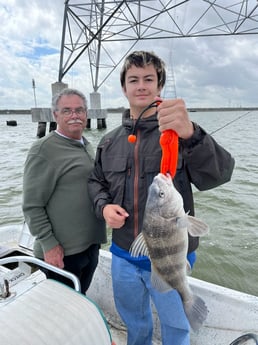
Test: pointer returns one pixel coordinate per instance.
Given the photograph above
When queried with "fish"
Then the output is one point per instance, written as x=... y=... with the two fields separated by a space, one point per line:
x=164 y=239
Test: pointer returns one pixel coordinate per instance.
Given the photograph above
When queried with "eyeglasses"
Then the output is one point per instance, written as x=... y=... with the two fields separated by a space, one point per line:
x=69 y=111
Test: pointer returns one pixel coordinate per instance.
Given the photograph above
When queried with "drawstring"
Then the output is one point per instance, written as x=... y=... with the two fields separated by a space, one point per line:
x=132 y=137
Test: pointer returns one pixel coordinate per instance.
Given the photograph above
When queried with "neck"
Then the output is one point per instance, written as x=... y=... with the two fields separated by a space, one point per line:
x=144 y=112
x=74 y=137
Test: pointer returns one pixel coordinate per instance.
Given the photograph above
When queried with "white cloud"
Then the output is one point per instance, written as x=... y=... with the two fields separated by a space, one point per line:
x=213 y=71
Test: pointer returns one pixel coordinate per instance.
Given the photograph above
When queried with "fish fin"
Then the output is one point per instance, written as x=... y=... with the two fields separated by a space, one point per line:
x=196 y=312
x=158 y=283
x=182 y=222
x=197 y=227
x=139 y=247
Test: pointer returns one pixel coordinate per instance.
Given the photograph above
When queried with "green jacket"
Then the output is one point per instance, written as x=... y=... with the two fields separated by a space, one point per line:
x=56 y=205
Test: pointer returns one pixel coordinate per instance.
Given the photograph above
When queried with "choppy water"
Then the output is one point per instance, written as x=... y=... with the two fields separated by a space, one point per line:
x=228 y=256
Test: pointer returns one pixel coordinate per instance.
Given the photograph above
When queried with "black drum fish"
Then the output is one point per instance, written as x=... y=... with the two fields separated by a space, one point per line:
x=164 y=239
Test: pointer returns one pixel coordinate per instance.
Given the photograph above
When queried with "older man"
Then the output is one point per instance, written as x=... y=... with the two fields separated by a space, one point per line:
x=56 y=205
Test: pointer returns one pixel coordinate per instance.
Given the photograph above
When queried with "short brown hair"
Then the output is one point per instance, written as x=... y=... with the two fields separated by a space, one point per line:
x=142 y=59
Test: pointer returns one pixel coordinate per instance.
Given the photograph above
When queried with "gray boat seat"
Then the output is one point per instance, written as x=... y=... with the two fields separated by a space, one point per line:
x=51 y=313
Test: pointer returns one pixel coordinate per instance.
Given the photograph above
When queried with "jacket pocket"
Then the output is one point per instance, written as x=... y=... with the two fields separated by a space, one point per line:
x=115 y=171
x=114 y=164
x=151 y=168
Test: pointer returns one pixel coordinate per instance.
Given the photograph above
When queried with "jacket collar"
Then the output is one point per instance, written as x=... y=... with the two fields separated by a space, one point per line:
x=145 y=122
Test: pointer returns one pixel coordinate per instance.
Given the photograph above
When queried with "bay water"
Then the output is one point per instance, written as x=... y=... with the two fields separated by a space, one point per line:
x=228 y=255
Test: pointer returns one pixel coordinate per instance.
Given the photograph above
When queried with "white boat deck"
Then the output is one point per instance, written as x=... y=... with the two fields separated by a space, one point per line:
x=231 y=313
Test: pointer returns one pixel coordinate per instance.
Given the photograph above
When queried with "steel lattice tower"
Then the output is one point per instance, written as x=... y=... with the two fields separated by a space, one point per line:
x=97 y=28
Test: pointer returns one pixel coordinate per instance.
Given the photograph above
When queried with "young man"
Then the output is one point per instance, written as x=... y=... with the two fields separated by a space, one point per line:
x=56 y=204
x=119 y=187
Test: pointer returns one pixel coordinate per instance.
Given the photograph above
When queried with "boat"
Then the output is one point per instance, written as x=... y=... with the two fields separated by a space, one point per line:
x=232 y=318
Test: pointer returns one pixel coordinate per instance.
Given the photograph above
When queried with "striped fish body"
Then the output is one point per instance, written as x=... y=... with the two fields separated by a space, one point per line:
x=164 y=238
x=167 y=243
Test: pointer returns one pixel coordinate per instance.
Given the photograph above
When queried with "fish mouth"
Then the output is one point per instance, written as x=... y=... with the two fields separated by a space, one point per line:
x=161 y=178
x=162 y=181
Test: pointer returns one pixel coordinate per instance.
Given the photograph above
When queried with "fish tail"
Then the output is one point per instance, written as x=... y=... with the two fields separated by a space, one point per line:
x=196 y=312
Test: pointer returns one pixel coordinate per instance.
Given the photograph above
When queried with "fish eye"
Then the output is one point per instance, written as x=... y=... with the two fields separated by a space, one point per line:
x=161 y=194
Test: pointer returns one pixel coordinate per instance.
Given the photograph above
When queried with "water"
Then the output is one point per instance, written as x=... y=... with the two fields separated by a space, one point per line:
x=228 y=255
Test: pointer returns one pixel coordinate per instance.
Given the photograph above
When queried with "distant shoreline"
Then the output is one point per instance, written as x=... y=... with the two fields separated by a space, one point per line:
x=15 y=111
x=121 y=109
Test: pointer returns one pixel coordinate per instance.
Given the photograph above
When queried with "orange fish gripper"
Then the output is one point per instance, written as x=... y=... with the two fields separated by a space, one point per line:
x=169 y=145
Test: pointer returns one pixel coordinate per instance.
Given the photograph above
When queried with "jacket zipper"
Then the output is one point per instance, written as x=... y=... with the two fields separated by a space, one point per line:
x=136 y=185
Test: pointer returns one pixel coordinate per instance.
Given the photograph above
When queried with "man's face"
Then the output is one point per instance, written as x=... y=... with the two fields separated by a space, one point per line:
x=71 y=116
x=141 y=86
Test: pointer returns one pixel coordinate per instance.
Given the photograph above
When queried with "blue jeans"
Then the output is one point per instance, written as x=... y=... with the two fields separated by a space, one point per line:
x=132 y=294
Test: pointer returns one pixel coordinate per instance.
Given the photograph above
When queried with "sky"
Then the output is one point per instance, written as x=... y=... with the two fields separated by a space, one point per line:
x=208 y=71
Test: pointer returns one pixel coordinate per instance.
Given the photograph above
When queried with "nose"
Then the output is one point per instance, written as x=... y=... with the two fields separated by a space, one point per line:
x=141 y=85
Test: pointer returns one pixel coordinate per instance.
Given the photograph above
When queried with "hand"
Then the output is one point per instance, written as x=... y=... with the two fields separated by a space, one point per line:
x=55 y=256
x=172 y=114
x=115 y=216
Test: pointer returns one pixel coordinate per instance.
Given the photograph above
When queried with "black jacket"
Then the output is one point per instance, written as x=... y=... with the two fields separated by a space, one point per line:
x=124 y=171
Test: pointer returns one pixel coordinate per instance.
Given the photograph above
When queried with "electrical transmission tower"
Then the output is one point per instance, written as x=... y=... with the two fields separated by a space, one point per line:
x=103 y=29
x=170 y=85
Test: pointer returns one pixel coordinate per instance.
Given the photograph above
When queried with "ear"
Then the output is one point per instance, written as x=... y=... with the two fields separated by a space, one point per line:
x=55 y=115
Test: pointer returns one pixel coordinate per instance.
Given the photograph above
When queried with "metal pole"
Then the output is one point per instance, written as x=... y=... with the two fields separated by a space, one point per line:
x=34 y=91
x=60 y=74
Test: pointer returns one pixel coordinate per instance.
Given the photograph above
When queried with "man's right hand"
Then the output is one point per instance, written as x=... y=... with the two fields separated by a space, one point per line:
x=55 y=256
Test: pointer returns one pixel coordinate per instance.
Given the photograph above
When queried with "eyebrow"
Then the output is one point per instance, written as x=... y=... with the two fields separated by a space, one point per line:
x=145 y=76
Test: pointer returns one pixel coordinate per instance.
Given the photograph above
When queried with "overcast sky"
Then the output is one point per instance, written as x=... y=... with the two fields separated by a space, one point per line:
x=213 y=71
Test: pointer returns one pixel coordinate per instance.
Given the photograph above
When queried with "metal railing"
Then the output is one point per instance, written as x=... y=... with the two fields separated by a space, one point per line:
x=40 y=263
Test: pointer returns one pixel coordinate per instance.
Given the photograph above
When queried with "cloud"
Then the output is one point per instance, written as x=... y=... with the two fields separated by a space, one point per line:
x=217 y=71
x=30 y=43
x=208 y=71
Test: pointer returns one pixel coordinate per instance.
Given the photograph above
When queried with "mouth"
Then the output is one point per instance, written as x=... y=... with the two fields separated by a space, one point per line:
x=141 y=96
